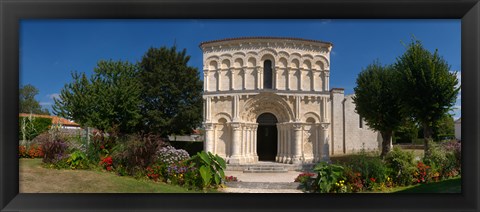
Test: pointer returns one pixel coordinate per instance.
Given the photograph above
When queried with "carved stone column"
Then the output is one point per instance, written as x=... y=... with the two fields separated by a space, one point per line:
x=300 y=77
x=219 y=77
x=297 y=150
x=324 y=142
x=287 y=86
x=205 y=80
x=236 y=157
x=255 y=155
x=327 y=80
x=232 y=79
x=209 y=138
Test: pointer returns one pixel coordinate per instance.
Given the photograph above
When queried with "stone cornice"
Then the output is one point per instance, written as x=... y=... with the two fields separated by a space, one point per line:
x=243 y=45
x=264 y=39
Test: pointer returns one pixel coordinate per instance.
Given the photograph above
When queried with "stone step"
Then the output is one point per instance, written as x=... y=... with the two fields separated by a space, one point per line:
x=288 y=167
x=263 y=185
x=265 y=171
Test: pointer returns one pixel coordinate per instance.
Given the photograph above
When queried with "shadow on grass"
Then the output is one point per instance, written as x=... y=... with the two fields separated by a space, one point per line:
x=447 y=186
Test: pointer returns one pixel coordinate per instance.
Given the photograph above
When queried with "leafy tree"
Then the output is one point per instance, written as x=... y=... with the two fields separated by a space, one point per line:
x=27 y=101
x=407 y=132
x=171 y=91
x=444 y=127
x=427 y=87
x=109 y=101
x=376 y=100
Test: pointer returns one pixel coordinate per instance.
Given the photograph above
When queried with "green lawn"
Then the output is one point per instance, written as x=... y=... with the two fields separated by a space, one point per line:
x=453 y=185
x=34 y=178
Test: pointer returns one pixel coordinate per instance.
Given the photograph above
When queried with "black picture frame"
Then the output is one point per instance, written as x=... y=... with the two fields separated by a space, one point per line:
x=12 y=11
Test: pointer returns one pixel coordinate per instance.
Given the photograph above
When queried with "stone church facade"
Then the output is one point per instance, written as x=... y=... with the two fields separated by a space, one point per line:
x=269 y=99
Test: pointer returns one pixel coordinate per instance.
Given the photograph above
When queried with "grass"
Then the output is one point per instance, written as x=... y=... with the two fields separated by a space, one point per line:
x=453 y=185
x=34 y=178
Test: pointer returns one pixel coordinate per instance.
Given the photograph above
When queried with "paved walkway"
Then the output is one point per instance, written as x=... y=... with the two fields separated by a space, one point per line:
x=262 y=177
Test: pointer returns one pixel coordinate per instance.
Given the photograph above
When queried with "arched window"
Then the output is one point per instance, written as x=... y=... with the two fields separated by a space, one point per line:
x=267 y=74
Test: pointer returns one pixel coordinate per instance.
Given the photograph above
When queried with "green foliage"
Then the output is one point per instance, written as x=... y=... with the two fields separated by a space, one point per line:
x=78 y=160
x=377 y=101
x=369 y=166
x=444 y=128
x=402 y=166
x=27 y=101
x=30 y=127
x=210 y=167
x=427 y=86
x=327 y=176
x=108 y=101
x=407 y=132
x=137 y=152
x=171 y=91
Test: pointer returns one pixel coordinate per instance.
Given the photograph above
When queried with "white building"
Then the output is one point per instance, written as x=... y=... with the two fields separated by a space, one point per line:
x=269 y=99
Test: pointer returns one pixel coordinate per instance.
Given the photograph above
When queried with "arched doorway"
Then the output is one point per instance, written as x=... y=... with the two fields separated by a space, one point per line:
x=267 y=137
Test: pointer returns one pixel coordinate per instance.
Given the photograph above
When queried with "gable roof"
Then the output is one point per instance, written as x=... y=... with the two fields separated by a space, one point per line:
x=55 y=119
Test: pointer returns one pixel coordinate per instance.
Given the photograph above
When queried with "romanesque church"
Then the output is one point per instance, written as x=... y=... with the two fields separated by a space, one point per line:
x=269 y=99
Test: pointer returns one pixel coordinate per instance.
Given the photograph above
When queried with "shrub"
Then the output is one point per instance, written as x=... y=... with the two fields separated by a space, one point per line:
x=78 y=160
x=327 y=176
x=402 y=166
x=54 y=147
x=206 y=170
x=444 y=160
x=137 y=152
x=100 y=145
x=354 y=180
x=369 y=167
x=32 y=151
x=170 y=155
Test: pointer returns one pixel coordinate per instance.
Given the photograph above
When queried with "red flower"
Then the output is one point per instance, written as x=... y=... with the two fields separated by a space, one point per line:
x=372 y=179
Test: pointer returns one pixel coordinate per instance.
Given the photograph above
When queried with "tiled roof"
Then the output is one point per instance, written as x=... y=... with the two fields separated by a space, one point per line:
x=55 y=119
x=264 y=37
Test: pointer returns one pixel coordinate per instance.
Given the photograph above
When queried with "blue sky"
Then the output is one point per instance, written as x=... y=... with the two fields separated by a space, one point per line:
x=51 y=49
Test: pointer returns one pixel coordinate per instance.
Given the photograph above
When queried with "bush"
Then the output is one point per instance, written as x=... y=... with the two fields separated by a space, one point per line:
x=206 y=170
x=327 y=177
x=54 y=147
x=100 y=145
x=78 y=160
x=137 y=152
x=402 y=166
x=371 y=168
x=170 y=155
x=444 y=160
x=31 y=127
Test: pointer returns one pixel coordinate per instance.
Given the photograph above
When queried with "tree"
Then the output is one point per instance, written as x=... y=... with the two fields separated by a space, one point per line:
x=27 y=101
x=443 y=128
x=109 y=101
x=377 y=101
x=171 y=92
x=427 y=87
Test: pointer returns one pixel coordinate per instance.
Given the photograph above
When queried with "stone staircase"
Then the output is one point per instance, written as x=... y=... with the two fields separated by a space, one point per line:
x=264 y=185
x=269 y=167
